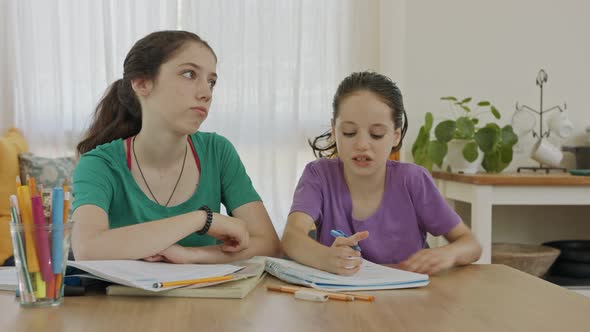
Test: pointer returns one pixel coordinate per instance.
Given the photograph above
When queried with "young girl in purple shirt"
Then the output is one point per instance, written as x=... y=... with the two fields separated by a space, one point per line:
x=387 y=207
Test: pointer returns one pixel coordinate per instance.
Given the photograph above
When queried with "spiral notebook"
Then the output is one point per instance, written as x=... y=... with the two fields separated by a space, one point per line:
x=370 y=277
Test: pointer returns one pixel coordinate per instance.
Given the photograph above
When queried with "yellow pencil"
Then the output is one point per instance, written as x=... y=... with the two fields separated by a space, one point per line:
x=191 y=281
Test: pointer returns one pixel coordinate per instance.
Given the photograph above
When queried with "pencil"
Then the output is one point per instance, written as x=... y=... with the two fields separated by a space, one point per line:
x=191 y=281
x=292 y=290
x=331 y=295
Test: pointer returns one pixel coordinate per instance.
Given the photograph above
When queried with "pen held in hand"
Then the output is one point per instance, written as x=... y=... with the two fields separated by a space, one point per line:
x=164 y=284
x=336 y=233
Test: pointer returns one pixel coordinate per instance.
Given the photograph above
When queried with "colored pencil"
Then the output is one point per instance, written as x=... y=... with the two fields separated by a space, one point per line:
x=191 y=281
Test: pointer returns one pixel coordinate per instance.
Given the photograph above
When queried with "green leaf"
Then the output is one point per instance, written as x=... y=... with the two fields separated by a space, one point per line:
x=486 y=139
x=445 y=131
x=495 y=112
x=448 y=98
x=493 y=126
x=437 y=151
x=424 y=161
x=475 y=121
x=465 y=128
x=466 y=100
x=483 y=103
x=470 y=151
x=506 y=154
x=421 y=142
x=467 y=109
x=492 y=162
x=508 y=136
x=428 y=120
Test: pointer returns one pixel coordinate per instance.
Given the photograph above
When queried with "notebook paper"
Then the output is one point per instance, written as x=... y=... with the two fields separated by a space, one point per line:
x=143 y=275
x=371 y=276
x=244 y=281
x=8 y=280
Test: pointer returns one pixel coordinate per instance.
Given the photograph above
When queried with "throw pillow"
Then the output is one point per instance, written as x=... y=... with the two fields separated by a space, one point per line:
x=50 y=172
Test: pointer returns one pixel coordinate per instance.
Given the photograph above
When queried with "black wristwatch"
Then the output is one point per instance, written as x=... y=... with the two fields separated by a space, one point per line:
x=208 y=222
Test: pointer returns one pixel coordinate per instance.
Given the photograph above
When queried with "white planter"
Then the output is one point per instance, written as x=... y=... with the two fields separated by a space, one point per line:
x=455 y=160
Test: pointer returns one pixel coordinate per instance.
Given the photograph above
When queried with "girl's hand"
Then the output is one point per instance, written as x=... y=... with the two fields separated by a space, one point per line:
x=341 y=258
x=429 y=261
x=176 y=254
x=231 y=231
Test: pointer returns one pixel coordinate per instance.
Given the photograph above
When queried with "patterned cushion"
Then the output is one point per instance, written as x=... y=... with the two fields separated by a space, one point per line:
x=50 y=172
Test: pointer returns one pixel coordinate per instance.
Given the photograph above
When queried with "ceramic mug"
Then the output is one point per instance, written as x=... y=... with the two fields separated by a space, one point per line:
x=546 y=153
x=560 y=124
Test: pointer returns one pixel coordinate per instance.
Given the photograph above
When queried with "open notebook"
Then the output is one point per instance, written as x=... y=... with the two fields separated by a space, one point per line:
x=143 y=275
x=370 y=277
x=244 y=281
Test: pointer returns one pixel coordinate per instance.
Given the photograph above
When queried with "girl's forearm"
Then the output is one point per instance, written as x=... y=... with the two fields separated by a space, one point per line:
x=466 y=249
x=130 y=242
x=302 y=248
x=258 y=246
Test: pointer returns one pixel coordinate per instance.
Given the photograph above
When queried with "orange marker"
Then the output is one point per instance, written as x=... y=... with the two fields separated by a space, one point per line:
x=32 y=186
x=58 y=284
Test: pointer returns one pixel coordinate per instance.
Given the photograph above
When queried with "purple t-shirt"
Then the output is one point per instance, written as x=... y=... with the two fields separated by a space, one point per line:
x=411 y=207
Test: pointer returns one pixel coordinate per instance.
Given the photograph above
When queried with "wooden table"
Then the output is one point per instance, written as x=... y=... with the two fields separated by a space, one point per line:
x=484 y=191
x=472 y=298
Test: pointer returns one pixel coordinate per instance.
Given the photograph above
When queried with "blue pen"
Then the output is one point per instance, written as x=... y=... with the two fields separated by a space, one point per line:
x=337 y=233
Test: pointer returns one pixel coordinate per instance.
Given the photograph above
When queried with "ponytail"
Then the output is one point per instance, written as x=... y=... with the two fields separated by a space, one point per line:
x=117 y=115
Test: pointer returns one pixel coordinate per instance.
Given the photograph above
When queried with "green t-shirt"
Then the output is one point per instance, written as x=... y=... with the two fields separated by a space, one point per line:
x=102 y=178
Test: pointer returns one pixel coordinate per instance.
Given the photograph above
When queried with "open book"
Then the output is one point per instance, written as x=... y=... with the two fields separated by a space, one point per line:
x=370 y=277
x=243 y=282
x=143 y=275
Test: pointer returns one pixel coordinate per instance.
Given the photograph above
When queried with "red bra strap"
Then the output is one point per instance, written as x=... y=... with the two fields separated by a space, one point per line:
x=128 y=141
x=190 y=142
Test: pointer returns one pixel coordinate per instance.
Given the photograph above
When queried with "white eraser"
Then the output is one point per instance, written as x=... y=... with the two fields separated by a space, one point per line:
x=309 y=295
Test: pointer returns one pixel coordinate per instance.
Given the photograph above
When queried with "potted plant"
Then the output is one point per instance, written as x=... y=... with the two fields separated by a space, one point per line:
x=489 y=145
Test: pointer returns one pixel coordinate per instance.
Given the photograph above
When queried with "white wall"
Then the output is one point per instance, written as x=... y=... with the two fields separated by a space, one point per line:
x=493 y=50
x=6 y=104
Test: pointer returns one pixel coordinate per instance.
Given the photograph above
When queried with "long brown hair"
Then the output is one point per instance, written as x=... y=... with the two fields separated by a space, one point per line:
x=118 y=114
x=382 y=86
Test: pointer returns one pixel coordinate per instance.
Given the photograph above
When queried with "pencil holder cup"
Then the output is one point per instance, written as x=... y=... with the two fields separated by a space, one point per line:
x=40 y=257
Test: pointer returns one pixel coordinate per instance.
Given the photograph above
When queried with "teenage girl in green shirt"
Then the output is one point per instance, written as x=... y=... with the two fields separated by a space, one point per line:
x=149 y=185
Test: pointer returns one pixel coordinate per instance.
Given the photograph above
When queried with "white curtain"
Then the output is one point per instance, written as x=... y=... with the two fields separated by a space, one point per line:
x=62 y=56
x=279 y=65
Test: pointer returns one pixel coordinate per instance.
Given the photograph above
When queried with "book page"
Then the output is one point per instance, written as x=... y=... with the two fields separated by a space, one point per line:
x=143 y=275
